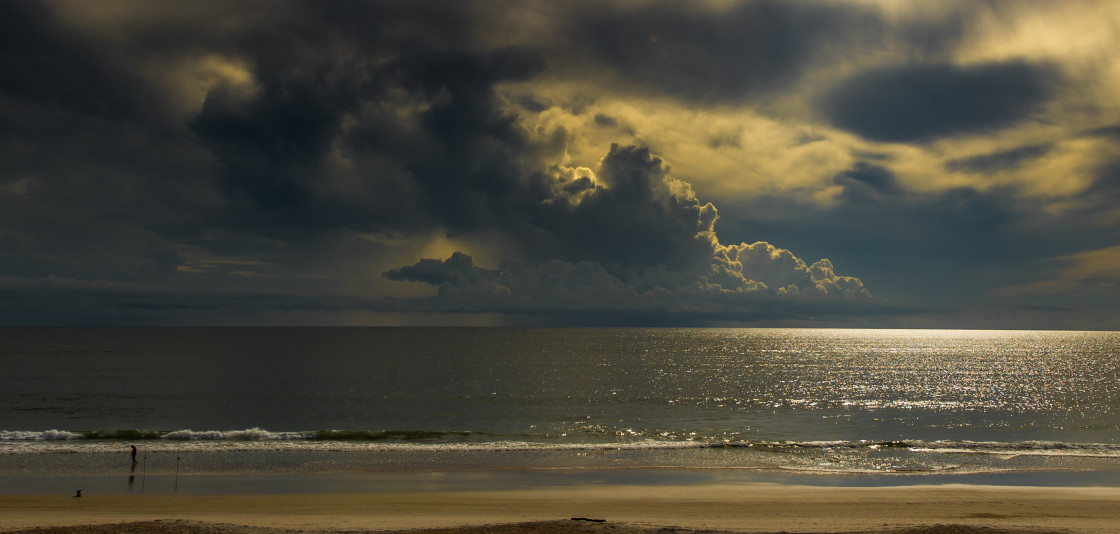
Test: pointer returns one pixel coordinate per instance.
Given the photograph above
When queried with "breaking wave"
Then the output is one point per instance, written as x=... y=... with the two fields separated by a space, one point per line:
x=16 y=441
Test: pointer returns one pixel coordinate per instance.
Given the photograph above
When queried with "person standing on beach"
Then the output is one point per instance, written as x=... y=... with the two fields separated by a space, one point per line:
x=133 y=454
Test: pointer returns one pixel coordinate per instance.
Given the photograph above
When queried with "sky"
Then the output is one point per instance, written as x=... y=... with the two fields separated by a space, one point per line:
x=858 y=163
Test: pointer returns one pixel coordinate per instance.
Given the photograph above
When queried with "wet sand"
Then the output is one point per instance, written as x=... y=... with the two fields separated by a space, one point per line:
x=624 y=509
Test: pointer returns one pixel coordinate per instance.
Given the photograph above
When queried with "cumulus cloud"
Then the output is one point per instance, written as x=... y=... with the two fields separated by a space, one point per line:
x=634 y=239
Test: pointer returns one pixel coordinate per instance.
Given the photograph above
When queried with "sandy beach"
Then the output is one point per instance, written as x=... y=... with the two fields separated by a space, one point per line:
x=713 y=507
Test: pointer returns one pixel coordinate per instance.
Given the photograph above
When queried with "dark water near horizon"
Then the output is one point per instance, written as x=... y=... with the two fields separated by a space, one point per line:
x=393 y=399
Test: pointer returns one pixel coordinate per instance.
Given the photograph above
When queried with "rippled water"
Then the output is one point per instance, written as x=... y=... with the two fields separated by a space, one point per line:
x=878 y=400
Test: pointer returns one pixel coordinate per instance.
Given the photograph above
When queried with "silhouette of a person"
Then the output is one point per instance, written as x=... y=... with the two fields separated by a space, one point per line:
x=133 y=454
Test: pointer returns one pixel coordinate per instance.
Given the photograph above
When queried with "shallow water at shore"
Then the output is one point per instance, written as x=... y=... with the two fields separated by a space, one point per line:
x=325 y=470
x=297 y=457
x=513 y=479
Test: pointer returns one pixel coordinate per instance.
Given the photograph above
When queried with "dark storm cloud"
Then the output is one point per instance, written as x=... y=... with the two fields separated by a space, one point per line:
x=916 y=103
x=701 y=54
x=274 y=146
x=99 y=180
x=462 y=161
x=89 y=155
x=635 y=220
x=473 y=158
x=328 y=62
x=386 y=118
x=42 y=62
x=364 y=62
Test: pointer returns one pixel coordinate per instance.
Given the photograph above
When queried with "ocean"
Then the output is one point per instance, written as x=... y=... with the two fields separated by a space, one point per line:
x=399 y=404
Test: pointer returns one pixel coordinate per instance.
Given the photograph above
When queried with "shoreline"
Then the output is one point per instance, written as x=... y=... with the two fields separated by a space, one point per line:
x=285 y=481
x=522 y=478
x=718 y=507
x=571 y=526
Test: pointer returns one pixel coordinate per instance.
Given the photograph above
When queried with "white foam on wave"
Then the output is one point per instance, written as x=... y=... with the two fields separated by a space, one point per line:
x=513 y=446
x=249 y=434
x=1024 y=448
x=258 y=439
x=45 y=435
x=893 y=469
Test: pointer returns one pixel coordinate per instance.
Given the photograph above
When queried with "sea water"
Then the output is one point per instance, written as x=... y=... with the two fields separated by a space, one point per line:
x=396 y=402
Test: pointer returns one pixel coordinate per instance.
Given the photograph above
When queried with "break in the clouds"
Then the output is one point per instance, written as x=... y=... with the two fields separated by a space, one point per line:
x=647 y=162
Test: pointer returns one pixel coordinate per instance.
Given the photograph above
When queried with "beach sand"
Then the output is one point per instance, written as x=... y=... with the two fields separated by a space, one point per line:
x=624 y=509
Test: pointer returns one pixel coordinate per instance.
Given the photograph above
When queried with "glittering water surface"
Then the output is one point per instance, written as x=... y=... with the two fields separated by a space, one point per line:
x=843 y=400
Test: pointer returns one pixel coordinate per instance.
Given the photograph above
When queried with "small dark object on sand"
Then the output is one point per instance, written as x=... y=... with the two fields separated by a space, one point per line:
x=589 y=519
x=78 y=493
